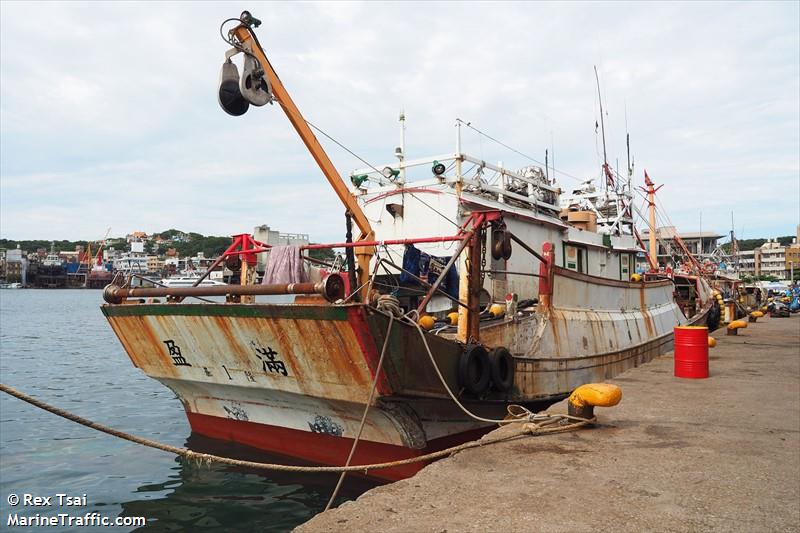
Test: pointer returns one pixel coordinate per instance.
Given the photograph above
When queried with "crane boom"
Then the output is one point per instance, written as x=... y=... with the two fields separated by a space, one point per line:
x=244 y=35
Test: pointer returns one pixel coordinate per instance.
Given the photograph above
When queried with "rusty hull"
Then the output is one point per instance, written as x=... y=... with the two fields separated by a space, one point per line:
x=289 y=365
x=311 y=366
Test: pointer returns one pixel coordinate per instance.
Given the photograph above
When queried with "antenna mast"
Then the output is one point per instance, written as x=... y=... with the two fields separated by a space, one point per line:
x=606 y=171
x=401 y=150
x=546 y=166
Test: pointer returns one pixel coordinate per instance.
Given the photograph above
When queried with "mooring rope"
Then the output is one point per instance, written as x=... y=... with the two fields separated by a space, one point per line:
x=528 y=428
x=364 y=415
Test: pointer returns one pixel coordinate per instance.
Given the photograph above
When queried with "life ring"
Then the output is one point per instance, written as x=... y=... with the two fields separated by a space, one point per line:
x=474 y=369
x=502 y=363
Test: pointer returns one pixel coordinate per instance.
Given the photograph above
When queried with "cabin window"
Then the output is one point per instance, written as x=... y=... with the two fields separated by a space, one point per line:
x=624 y=266
x=575 y=258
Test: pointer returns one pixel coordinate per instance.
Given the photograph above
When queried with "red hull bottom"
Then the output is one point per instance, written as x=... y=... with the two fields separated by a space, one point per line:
x=321 y=448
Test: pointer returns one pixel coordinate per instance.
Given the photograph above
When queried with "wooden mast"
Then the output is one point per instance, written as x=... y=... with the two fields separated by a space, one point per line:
x=651 y=200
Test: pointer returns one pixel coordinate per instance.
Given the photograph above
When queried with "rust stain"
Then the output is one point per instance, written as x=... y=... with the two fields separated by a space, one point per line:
x=323 y=358
x=556 y=338
x=648 y=320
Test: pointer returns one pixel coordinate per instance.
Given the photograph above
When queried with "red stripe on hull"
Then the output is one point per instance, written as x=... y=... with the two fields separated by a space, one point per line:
x=321 y=448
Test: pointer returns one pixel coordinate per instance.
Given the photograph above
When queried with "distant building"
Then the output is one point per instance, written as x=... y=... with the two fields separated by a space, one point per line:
x=16 y=266
x=772 y=259
x=136 y=236
x=793 y=259
x=272 y=237
x=154 y=264
x=701 y=245
x=749 y=264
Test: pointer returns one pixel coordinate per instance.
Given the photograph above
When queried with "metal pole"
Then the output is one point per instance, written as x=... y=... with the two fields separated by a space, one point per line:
x=389 y=242
x=332 y=288
x=351 y=262
x=527 y=248
x=402 y=155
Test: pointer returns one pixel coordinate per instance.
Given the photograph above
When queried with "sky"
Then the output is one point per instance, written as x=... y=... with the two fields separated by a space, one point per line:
x=109 y=117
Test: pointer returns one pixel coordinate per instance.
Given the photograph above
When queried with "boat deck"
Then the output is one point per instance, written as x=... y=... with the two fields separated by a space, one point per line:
x=719 y=454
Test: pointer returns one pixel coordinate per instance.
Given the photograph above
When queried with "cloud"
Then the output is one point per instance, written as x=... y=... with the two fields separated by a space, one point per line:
x=108 y=113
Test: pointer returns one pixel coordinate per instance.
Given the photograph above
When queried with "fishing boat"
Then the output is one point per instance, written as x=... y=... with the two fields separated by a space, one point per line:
x=467 y=288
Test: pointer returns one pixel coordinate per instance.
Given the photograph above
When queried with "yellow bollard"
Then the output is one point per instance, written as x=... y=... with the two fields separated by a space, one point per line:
x=585 y=398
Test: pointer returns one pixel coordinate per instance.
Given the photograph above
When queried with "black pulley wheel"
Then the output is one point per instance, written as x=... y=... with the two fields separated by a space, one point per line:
x=502 y=363
x=231 y=99
x=474 y=369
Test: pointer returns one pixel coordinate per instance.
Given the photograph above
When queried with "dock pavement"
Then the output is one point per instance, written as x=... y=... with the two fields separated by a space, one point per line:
x=716 y=454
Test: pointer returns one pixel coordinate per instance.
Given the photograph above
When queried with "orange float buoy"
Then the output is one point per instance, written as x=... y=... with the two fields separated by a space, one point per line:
x=691 y=352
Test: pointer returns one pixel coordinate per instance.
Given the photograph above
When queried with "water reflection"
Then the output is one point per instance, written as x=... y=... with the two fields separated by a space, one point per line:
x=214 y=497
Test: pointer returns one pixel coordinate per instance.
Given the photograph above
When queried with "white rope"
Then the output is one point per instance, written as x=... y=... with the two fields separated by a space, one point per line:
x=525 y=416
x=363 y=416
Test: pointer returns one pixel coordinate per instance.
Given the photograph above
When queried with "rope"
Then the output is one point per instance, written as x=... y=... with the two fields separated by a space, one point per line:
x=527 y=429
x=390 y=305
x=364 y=416
x=523 y=416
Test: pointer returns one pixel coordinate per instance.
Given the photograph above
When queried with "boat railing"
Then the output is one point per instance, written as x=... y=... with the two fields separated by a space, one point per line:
x=534 y=195
x=469 y=251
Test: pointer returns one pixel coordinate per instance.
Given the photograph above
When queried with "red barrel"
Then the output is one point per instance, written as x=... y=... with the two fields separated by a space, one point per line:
x=691 y=352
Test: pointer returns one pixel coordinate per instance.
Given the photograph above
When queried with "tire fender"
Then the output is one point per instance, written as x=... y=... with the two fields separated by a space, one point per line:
x=502 y=363
x=474 y=369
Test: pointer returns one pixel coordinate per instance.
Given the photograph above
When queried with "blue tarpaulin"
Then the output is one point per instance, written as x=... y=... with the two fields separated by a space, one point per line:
x=428 y=267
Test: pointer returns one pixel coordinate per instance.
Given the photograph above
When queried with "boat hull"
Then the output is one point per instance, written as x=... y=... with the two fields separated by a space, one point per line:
x=294 y=379
x=323 y=449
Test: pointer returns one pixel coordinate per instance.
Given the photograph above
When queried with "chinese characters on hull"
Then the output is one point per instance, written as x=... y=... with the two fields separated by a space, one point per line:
x=270 y=364
x=175 y=352
x=267 y=357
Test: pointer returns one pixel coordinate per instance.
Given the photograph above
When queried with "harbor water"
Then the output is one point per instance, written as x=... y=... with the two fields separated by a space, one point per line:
x=56 y=345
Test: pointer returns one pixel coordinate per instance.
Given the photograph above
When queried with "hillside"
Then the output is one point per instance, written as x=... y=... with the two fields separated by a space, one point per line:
x=185 y=244
x=745 y=245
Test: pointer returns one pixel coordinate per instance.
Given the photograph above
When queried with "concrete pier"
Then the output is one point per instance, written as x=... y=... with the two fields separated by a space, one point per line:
x=718 y=454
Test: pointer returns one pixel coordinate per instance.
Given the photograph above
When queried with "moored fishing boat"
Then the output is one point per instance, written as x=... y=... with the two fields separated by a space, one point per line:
x=466 y=290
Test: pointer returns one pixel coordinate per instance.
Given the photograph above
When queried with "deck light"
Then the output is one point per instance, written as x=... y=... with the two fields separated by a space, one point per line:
x=359 y=180
x=390 y=173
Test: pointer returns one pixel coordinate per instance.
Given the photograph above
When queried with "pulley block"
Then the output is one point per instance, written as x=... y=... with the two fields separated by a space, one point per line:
x=253 y=85
x=230 y=96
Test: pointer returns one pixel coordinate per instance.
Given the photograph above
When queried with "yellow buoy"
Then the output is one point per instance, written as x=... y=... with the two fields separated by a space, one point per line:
x=712 y=342
x=497 y=310
x=453 y=318
x=427 y=322
x=636 y=277
x=757 y=314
